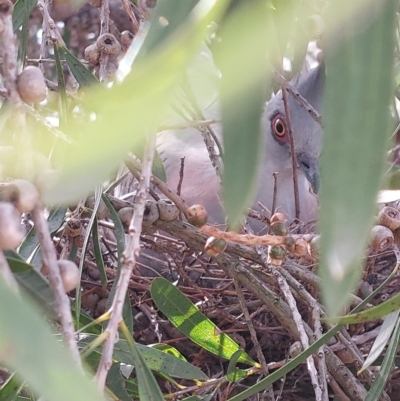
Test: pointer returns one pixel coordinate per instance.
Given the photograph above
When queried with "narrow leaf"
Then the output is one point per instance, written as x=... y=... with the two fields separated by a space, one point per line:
x=381 y=340
x=186 y=317
x=359 y=79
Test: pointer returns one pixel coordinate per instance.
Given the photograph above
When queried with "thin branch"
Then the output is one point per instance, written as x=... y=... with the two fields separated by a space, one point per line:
x=295 y=93
x=284 y=286
x=62 y=301
x=293 y=154
x=128 y=262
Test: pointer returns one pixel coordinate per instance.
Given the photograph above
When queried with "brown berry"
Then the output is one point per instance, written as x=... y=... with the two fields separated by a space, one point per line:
x=197 y=215
x=279 y=228
x=109 y=45
x=78 y=241
x=69 y=274
x=92 y=55
x=31 y=85
x=300 y=247
x=278 y=217
x=11 y=233
x=22 y=194
x=214 y=246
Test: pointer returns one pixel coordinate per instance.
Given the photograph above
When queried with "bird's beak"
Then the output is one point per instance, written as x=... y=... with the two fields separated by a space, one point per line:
x=310 y=167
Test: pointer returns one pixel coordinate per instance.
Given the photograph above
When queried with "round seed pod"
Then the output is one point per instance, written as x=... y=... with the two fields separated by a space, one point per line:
x=276 y=255
x=381 y=238
x=111 y=69
x=31 y=85
x=95 y=3
x=214 y=246
x=11 y=233
x=101 y=308
x=314 y=247
x=197 y=216
x=168 y=210
x=151 y=212
x=90 y=301
x=278 y=217
x=73 y=228
x=102 y=211
x=69 y=274
x=279 y=228
x=300 y=247
x=389 y=217
x=295 y=349
x=22 y=194
x=78 y=241
x=290 y=244
x=126 y=38
x=109 y=45
x=92 y=55
x=125 y=215
x=6 y=8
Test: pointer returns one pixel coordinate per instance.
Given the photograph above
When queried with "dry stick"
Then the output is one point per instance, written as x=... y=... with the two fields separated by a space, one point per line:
x=318 y=330
x=275 y=177
x=128 y=262
x=62 y=301
x=131 y=15
x=284 y=286
x=104 y=28
x=293 y=152
x=250 y=280
x=8 y=52
x=162 y=186
x=300 y=99
x=253 y=335
x=181 y=171
x=188 y=124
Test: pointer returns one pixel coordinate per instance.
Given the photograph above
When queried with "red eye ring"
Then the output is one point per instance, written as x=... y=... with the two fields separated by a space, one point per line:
x=279 y=126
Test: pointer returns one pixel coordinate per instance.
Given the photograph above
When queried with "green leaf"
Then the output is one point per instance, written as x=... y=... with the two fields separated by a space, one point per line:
x=131 y=109
x=21 y=7
x=148 y=387
x=241 y=112
x=35 y=286
x=58 y=378
x=377 y=312
x=380 y=382
x=155 y=359
x=11 y=388
x=186 y=317
x=61 y=86
x=120 y=236
x=116 y=382
x=31 y=242
x=381 y=340
x=359 y=78
x=83 y=75
x=97 y=253
x=233 y=374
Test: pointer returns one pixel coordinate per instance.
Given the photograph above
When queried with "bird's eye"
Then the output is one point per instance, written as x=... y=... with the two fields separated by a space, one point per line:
x=279 y=128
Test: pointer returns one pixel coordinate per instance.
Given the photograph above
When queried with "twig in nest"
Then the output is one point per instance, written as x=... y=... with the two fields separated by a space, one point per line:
x=128 y=262
x=293 y=153
x=181 y=171
x=302 y=333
